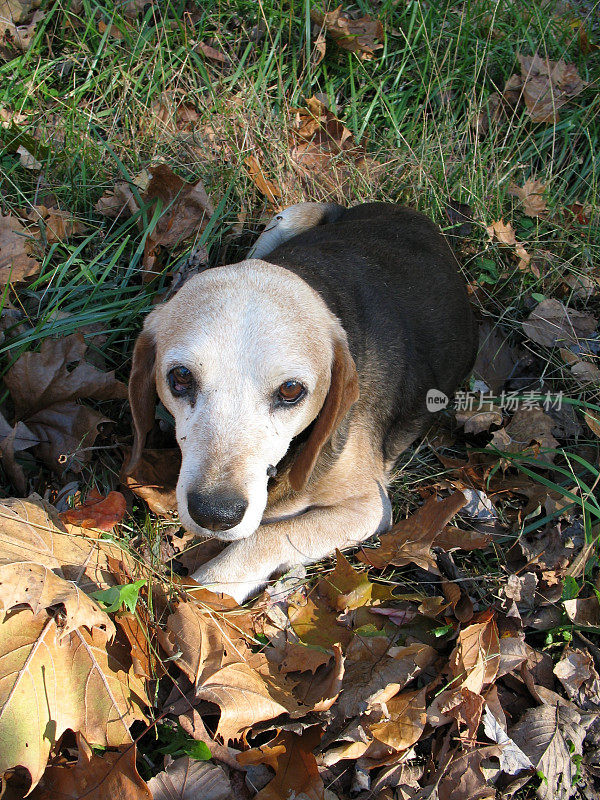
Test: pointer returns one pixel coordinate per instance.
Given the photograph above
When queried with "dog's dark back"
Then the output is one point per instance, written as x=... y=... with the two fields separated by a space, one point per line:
x=390 y=277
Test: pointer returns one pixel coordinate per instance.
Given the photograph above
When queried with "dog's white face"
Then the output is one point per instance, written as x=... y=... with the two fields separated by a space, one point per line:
x=243 y=363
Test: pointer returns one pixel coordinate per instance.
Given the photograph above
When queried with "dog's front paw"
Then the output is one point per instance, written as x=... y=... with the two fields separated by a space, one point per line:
x=239 y=589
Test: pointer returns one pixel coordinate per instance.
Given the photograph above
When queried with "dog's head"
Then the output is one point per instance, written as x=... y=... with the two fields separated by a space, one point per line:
x=245 y=357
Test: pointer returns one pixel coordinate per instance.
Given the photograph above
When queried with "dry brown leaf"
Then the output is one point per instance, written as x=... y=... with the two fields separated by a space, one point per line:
x=102 y=513
x=531 y=194
x=552 y=323
x=315 y=624
x=410 y=540
x=323 y=149
x=155 y=479
x=95 y=777
x=405 y=721
x=528 y=425
x=577 y=673
x=187 y=779
x=496 y=359
x=452 y=538
x=270 y=189
x=586 y=372
x=542 y=734
x=476 y=421
x=374 y=672
x=584 y=611
x=49 y=684
x=18 y=19
x=212 y=53
x=362 y=36
x=296 y=770
x=206 y=639
x=247 y=697
x=57 y=225
x=547 y=86
x=298 y=657
x=463 y=779
x=44 y=388
x=121 y=199
x=39 y=588
x=345 y=587
x=503 y=232
x=475 y=660
x=17 y=252
x=32 y=532
x=144 y=662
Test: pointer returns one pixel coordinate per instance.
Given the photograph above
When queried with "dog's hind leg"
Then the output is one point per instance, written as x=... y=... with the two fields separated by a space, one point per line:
x=292 y=221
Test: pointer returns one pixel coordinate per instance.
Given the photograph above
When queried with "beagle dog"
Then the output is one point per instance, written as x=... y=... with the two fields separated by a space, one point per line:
x=297 y=377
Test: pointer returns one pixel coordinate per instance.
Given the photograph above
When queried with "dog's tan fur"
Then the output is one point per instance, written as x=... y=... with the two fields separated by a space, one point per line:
x=243 y=329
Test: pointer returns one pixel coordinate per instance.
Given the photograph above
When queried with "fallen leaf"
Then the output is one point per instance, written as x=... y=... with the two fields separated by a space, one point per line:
x=577 y=673
x=49 y=683
x=315 y=624
x=584 y=611
x=496 y=358
x=188 y=779
x=542 y=734
x=547 y=86
x=296 y=770
x=531 y=195
x=503 y=232
x=95 y=777
x=552 y=323
x=122 y=198
x=102 y=513
x=475 y=659
x=57 y=225
x=452 y=538
x=270 y=189
x=212 y=53
x=44 y=388
x=324 y=151
x=345 y=587
x=18 y=19
x=405 y=721
x=479 y=420
x=41 y=589
x=186 y=210
x=528 y=425
x=154 y=479
x=463 y=779
x=362 y=35
x=410 y=540
x=512 y=759
x=17 y=249
x=586 y=372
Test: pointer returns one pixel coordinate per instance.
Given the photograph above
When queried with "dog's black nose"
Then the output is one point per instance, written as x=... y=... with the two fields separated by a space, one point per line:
x=216 y=512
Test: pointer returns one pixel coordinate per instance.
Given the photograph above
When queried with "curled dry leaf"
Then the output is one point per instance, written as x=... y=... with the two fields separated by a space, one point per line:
x=270 y=189
x=410 y=540
x=551 y=323
x=547 y=86
x=18 y=251
x=102 y=513
x=548 y=735
x=45 y=387
x=49 y=683
x=211 y=53
x=41 y=589
x=577 y=673
x=503 y=232
x=55 y=224
x=296 y=770
x=528 y=426
x=512 y=759
x=95 y=777
x=155 y=479
x=323 y=148
x=464 y=779
x=475 y=659
x=188 y=779
x=531 y=195
x=362 y=36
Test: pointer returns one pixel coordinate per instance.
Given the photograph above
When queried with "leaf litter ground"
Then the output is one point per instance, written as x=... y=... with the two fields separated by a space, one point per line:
x=455 y=658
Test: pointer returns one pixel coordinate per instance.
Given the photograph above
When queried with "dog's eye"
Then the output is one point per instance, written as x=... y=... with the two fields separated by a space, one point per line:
x=290 y=392
x=180 y=380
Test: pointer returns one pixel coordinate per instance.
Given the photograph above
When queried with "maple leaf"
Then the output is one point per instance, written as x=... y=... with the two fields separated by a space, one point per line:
x=531 y=194
x=49 y=683
x=188 y=779
x=345 y=587
x=45 y=388
x=410 y=540
x=17 y=252
x=296 y=770
x=362 y=36
x=547 y=86
x=95 y=777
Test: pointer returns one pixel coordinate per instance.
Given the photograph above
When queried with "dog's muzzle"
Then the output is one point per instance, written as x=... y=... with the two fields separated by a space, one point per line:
x=216 y=512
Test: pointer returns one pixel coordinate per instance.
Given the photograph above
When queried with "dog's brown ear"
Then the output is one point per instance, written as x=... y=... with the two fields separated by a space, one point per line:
x=142 y=394
x=343 y=392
